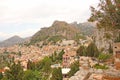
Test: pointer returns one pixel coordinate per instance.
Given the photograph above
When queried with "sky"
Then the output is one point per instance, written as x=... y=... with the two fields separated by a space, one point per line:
x=26 y=17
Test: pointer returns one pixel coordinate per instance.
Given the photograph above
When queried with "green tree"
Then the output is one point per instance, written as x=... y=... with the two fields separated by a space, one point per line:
x=1 y=75
x=30 y=65
x=92 y=50
x=56 y=74
x=28 y=75
x=74 y=68
x=15 y=72
x=57 y=57
x=32 y=75
x=47 y=64
x=81 y=51
x=110 y=49
x=4 y=78
x=19 y=53
x=60 y=55
x=54 y=57
x=39 y=65
x=107 y=16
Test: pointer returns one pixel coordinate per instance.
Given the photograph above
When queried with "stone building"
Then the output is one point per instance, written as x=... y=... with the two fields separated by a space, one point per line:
x=116 y=52
x=68 y=58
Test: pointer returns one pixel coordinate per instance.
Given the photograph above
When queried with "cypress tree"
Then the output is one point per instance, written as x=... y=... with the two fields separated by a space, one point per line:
x=92 y=50
x=56 y=74
x=110 y=49
x=81 y=51
x=1 y=75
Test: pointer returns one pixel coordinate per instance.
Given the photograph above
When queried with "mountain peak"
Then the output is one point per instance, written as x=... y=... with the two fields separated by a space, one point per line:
x=12 y=41
x=58 y=28
x=15 y=36
x=59 y=23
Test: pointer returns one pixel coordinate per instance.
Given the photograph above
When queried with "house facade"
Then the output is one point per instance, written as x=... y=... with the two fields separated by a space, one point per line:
x=116 y=52
x=68 y=58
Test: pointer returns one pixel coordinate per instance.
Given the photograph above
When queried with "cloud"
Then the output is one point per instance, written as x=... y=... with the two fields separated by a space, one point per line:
x=40 y=12
x=3 y=35
x=26 y=33
x=33 y=11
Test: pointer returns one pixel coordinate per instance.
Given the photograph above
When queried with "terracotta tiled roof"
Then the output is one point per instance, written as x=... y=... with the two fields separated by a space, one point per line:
x=2 y=70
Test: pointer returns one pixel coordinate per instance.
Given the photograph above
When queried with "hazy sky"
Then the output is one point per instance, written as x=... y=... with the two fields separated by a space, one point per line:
x=25 y=17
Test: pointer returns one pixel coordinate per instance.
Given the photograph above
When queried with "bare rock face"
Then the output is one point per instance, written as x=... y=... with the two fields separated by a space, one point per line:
x=86 y=28
x=101 y=41
x=58 y=28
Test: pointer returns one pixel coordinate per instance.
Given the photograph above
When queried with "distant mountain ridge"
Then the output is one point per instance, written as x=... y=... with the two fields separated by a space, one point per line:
x=86 y=28
x=57 y=31
x=12 y=41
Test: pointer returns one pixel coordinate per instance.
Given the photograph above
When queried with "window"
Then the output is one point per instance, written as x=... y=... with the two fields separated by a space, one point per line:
x=118 y=55
x=115 y=47
x=117 y=52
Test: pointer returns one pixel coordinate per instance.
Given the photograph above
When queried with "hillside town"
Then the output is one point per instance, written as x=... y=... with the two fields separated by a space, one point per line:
x=75 y=58
x=86 y=71
x=64 y=50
